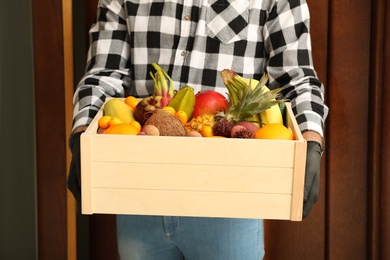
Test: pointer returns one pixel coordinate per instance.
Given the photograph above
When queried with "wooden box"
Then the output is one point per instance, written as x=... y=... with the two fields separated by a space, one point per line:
x=193 y=176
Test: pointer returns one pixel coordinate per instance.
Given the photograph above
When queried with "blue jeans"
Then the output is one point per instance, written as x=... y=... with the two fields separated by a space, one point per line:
x=189 y=238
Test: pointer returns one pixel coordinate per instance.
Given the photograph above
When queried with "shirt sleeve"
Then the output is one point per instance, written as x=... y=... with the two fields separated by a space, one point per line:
x=290 y=65
x=107 y=72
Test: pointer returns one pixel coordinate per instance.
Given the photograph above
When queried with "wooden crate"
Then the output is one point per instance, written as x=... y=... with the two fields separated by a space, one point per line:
x=192 y=176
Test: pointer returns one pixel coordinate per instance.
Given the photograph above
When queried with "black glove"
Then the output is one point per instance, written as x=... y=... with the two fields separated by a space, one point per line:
x=74 y=177
x=312 y=176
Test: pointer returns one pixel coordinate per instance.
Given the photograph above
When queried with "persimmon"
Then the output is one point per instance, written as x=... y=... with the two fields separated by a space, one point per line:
x=131 y=101
x=274 y=131
x=115 y=121
x=207 y=131
x=104 y=122
x=169 y=109
x=136 y=124
x=182 y=116
x=122 y=129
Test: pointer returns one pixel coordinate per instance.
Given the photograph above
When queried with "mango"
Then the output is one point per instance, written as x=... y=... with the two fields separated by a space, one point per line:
x=118 y=108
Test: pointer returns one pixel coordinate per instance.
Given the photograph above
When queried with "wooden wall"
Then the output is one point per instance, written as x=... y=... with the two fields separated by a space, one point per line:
x=351 y=219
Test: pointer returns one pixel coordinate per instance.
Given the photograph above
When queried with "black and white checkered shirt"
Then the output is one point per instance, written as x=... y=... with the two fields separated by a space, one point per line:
x=193 y=41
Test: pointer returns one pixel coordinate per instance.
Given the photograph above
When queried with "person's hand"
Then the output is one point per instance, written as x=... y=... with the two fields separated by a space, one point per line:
x=74 y=177
x=312 y=176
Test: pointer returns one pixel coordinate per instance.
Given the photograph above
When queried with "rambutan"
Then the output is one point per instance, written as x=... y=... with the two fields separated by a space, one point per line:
x=239 y=131
x=222 y=128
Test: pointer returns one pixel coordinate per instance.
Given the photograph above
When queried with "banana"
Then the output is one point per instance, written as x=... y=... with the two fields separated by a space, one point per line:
x=255 y=119
x=184 y=100
x=270 y=115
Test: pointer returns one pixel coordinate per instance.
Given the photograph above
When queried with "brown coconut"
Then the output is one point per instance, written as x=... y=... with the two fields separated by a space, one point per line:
x=167 y=124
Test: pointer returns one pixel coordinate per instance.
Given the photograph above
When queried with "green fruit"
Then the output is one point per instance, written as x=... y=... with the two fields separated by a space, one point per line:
x=184 y=100
x=117 y=108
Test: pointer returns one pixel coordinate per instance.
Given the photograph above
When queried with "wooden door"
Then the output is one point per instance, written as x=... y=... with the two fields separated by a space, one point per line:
x=351 y=219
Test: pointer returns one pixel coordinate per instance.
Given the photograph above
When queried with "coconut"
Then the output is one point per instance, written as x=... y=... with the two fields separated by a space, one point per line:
x=166 y=123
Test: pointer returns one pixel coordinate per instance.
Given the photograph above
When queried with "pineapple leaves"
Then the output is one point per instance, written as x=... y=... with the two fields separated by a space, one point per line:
x=245 y=100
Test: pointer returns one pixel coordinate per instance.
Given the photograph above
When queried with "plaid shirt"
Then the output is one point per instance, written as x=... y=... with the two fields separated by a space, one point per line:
x=193 y=41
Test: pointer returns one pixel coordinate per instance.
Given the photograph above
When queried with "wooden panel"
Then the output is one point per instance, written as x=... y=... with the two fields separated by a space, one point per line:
x=68 y=97
x=374 y=155
x=192 y=203
x=50 y=129
x=349 y=50
x=144 y=176
x=384 y=217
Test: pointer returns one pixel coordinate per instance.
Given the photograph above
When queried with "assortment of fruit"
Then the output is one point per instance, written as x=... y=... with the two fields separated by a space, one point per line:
x=250 y=110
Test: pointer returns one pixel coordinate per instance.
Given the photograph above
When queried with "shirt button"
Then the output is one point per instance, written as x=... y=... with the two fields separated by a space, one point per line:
x=187 y=17
x=183 y=53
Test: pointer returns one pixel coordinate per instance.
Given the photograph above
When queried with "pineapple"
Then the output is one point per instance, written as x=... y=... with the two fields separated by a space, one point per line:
x=198 y=122
x=244 y=103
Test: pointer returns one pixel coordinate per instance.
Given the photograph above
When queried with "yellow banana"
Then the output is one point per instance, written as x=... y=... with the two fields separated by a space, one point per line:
x=255 y=119
x=270 y=115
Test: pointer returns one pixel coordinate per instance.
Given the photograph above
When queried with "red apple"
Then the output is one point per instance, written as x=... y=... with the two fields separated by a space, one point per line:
x=209 y=102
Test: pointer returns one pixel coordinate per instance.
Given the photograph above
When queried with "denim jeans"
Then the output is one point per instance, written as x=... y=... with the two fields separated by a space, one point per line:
x=189 y=238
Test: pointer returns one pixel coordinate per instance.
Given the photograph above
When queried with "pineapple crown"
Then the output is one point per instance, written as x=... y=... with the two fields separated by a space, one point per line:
x=244 y=101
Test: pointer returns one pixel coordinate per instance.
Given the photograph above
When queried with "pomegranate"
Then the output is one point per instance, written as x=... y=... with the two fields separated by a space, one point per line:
x=209 y=102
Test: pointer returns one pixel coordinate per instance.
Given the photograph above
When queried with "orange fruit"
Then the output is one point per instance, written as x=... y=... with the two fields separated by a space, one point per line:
x=207 y=131
x=115 y=121
x=122 y=129
x=131 y=101
x=136 y=124
x=274 y=131
x=104 y=122
x=182 y=116
x=169 y=109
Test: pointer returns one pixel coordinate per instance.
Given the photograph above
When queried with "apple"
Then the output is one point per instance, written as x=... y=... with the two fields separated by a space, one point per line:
x=209 y=102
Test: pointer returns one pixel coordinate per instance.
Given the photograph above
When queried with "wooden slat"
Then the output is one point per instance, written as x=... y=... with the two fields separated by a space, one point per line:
x=50 y=128
x=192 y=177
x=375 y=121
x=298 y=183
x=86 y=176
x=384 y=218
x=206 y=204
x=69 y=89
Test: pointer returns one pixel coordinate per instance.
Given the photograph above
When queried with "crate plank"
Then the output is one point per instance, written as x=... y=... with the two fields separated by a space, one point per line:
x=190 y=203
x=209 y=151
x=193 y=177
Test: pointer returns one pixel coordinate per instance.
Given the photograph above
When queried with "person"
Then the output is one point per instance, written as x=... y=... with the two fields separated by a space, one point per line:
x=193 y=41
